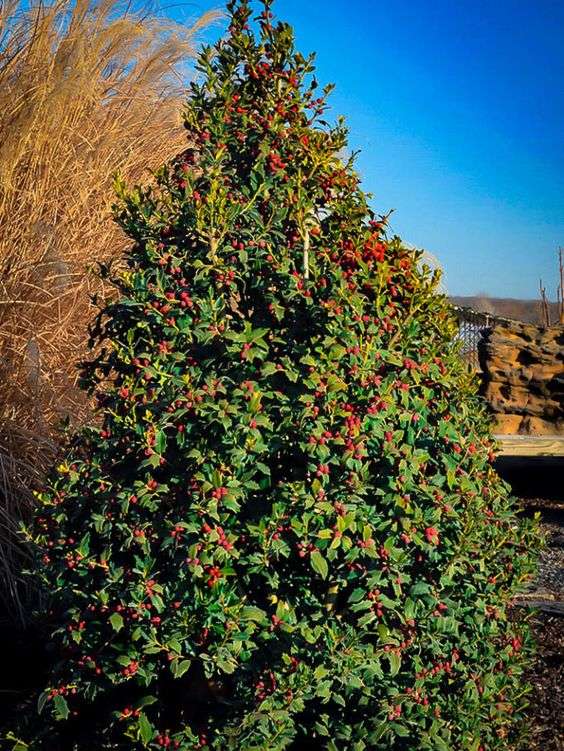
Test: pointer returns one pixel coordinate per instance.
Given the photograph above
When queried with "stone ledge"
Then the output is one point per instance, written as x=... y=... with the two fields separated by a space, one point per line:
x=523 y=377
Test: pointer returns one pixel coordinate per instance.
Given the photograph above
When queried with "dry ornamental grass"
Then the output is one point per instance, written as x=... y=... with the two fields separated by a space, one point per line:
x=86 y=89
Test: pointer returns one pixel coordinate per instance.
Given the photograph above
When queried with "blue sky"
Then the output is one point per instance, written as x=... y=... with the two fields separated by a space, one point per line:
x=457 y=107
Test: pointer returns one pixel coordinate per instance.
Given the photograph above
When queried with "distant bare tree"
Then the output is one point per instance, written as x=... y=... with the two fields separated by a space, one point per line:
x=560 y=291
x=544 y=309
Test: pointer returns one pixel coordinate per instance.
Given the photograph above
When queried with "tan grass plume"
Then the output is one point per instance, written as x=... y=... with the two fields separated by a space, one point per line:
x=86 y=89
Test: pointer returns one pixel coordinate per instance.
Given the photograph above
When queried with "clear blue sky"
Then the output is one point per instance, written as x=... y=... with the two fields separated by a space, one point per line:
x=458 y=109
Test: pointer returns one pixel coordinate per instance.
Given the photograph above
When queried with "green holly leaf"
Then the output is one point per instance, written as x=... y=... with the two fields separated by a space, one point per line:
x=146 y=729
x=117 y=621
x=251 y=613
x=19 y=745
x=395 y=662
x=61 y=707
x=319 y=564
x=179 y=667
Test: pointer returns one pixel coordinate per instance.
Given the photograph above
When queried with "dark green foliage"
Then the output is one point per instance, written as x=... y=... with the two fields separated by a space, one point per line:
x=285 y=531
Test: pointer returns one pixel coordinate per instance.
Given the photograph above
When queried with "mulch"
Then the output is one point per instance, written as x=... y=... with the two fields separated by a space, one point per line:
x=546 y=675
x=546 y=709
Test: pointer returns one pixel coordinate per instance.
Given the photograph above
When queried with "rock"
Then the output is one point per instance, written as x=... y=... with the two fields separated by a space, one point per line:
x=505 y=397
x=507 y=424
x=538 y=426
x=557 y=542
x=523 y=377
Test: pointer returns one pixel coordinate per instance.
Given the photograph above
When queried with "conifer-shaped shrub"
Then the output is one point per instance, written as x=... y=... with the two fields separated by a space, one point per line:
x=284 y=531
